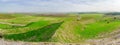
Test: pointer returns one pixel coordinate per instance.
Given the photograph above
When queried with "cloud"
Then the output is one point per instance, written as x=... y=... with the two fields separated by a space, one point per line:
x=58 y=5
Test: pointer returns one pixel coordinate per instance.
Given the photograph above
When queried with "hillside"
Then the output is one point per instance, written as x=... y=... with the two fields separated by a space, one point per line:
x=69 y=29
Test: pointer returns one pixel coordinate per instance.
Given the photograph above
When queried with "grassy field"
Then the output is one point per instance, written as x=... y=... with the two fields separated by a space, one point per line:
x=71 y=28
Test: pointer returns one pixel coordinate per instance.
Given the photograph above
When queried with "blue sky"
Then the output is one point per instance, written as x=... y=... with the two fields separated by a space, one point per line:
x=58 y=5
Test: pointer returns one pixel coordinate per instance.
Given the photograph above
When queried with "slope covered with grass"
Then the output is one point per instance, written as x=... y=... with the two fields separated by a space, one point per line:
x=79 y=31
x=26 y=28
x=94 y=29
x=5 y=26
x=41 y=34
x=89 y=26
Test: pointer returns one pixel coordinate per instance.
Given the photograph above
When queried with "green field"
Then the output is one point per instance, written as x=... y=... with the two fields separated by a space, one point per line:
x=70 y=28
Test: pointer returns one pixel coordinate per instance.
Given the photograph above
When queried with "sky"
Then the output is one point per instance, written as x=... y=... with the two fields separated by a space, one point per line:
x=59 y=5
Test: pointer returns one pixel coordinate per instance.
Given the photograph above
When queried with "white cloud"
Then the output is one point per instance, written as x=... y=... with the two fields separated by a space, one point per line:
x=60 y=5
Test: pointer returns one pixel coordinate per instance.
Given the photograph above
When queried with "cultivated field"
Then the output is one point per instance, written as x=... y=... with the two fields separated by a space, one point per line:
x=71 y=28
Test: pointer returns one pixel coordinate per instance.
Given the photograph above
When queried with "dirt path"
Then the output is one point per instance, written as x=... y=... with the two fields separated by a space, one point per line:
x=3 y=42
x=11 y=24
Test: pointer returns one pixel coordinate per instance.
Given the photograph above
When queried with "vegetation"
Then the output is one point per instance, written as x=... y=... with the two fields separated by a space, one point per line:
x=57 y=29
x=41 y=34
